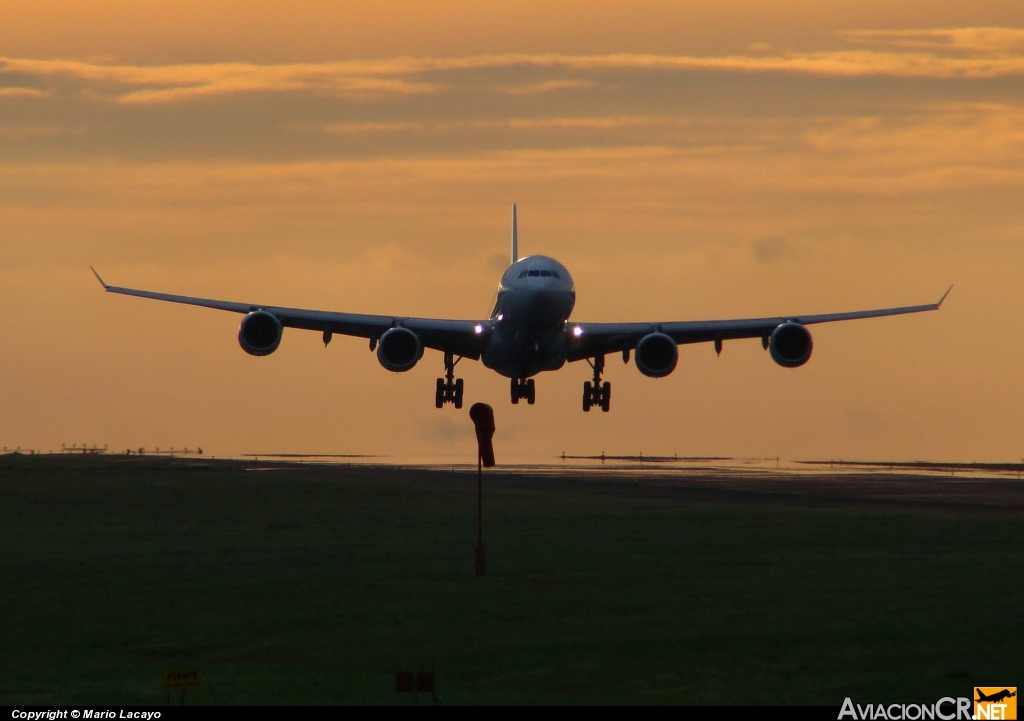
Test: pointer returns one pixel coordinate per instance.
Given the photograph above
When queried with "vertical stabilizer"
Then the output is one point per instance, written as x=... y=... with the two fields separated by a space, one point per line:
x=515 y=236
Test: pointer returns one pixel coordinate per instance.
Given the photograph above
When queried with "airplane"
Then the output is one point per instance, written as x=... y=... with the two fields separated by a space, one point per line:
x=528 y=332
x=996 y=697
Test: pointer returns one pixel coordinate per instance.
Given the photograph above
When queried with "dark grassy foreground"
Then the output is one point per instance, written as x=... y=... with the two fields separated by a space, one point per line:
x=316 y=585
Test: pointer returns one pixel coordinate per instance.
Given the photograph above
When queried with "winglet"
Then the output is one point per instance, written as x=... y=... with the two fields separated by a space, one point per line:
x=515 y=236
x=105 y=286
x=939 y=304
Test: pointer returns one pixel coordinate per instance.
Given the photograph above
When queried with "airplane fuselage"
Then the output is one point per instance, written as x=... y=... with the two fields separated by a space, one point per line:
x=536 y=296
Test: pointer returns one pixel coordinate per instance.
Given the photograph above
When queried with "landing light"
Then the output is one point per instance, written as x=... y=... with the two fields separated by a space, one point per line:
x=478 y=329
x=577 y=331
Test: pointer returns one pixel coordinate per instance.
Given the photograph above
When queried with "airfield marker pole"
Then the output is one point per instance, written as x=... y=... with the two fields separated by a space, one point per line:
x=479 y=515
x=482 y=416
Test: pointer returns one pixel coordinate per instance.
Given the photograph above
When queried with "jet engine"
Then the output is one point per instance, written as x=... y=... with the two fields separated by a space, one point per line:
x=656 y=355
x=399 y=349
x=260 y=333
x=790 y=345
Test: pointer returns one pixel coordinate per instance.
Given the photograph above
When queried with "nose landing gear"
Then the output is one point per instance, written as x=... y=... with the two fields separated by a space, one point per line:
x=449 y=388
x=596 y=393
x=523 y=388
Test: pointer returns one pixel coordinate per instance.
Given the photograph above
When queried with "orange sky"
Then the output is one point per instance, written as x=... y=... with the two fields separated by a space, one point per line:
x=684 y=161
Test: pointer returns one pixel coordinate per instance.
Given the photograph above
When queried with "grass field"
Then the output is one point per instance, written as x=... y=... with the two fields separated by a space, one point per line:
x=316 y=584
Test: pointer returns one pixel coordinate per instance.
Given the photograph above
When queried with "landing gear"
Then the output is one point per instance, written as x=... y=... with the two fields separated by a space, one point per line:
x=449 y=388
x=523 y=388
x=600 y=395
x=596 y=393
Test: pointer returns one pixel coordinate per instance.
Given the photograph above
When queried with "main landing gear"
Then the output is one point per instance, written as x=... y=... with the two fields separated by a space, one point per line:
x=449 y=388
x=597 y=393
x=523 y=388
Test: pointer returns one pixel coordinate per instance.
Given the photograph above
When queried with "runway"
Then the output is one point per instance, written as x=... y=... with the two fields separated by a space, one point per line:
x=315 y=583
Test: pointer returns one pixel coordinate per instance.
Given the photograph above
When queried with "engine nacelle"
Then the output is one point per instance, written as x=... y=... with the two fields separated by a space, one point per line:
x=399 y=349
x=656 y=355
x=790 y=345
x=260 y=333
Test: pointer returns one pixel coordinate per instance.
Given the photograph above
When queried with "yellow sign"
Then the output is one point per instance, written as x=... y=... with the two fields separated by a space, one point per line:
x=995 y=702
x=184 y=680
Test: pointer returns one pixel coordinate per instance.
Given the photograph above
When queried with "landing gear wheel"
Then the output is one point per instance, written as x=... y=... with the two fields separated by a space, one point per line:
x=523 y=388
x=449 y=388
x=594 y=392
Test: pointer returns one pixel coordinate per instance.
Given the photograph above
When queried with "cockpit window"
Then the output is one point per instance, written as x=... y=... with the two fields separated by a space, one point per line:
x=536 y=273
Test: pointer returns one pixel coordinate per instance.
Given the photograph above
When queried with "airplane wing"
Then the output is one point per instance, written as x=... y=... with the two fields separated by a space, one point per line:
x=593 y=339
x=461 y=337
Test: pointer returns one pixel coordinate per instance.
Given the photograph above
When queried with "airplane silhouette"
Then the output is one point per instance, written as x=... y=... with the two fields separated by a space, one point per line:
x=527 y=333
x=996 y=697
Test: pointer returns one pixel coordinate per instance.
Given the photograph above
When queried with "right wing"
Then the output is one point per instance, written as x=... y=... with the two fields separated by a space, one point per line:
x=595 y=339
x=461 y=337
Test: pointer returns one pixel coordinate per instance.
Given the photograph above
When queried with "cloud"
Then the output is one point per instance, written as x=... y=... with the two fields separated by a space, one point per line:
x=936 y=53
x=24 y=132
x=556 y=123
x=136 y=84
x=362 y=128
x=547 y=86
x=252 y=82
x=16 y=92
x=977 y=40
x=498 y=262
x=447 y=431
x=772 y=249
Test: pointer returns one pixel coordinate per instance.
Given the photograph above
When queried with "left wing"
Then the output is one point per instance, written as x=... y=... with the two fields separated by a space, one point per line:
x=595 y=339
x=460 y=337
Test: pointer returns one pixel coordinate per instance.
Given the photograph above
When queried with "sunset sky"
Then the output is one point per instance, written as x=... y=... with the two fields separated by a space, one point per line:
x=685 y=160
